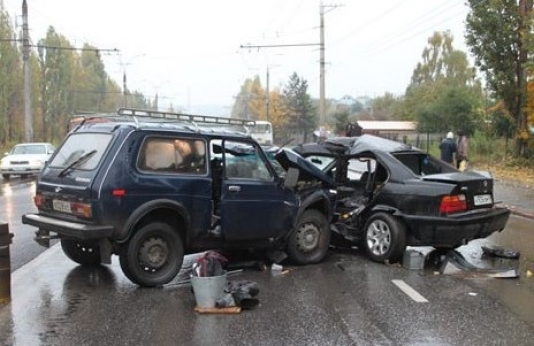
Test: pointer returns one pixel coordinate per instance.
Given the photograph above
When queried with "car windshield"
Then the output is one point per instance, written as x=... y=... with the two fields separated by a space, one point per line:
x=29 y=149
x=89 y=146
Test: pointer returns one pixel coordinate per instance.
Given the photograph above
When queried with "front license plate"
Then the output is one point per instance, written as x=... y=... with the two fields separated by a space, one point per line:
x=61 y=206
x=482 y=199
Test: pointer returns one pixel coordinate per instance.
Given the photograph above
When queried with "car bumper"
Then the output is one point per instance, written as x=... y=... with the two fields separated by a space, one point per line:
x=20 y=170
x=454 y=231
x=67 y=228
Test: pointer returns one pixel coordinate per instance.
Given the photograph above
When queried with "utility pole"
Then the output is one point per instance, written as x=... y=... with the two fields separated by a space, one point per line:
x=322 y=91
x=124 y=90
x=321 y=44
x=268 y=96
x=28 y=128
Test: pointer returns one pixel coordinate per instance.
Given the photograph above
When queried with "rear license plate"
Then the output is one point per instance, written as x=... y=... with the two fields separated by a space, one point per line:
x=61 y=206
x=482 y=199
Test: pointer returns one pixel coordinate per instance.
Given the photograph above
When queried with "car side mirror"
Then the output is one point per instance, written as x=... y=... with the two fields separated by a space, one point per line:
x=291 y=178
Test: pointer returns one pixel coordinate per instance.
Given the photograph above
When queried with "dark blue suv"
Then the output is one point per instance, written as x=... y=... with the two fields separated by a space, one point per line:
x=154 y=190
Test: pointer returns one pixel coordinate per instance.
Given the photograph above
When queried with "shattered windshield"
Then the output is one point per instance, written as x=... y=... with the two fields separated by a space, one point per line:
x=81 y=151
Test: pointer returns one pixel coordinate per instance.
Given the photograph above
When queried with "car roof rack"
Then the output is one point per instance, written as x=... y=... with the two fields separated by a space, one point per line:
x=181 y=117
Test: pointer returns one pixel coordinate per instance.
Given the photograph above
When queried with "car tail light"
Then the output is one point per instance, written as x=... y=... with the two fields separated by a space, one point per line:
x=39 y=201
x=81 y=209
x=453 y=204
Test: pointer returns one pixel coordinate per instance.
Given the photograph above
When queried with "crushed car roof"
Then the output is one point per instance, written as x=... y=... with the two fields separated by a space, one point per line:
x=354 y=145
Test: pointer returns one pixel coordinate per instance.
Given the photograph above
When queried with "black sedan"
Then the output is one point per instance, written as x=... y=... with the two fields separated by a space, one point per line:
x=391 y=195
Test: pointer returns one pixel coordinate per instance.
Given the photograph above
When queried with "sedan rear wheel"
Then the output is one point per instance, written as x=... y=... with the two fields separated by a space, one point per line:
x=385 y=238
x=5 y=176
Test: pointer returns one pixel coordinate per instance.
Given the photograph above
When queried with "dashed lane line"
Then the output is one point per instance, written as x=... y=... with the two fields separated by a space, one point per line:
x=410 y=292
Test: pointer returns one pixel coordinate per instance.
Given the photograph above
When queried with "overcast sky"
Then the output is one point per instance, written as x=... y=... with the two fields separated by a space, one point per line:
x=189 y=51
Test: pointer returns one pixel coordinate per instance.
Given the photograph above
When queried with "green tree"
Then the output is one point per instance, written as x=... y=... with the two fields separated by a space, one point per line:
x=497 y=33
x=384 y=107
x=10 y=83
x=59 y=72
x=341 y=119
x=298 y=107
x=443 y=75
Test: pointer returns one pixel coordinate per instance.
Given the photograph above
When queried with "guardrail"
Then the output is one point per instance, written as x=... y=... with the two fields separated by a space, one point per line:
x=5 y=263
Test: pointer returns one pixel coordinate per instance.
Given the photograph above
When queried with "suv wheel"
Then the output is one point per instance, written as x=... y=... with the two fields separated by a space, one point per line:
x=310 y=240
x=385 y=238
x=5 y=176
x=86 y=253
x=153 y=256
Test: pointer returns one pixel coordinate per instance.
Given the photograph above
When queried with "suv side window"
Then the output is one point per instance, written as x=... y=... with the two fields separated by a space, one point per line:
x=173 y=155
x=244 y=162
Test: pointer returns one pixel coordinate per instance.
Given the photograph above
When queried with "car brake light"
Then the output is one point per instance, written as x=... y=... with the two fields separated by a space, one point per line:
x=39 y=201
x=81 y=209
x=453 y=204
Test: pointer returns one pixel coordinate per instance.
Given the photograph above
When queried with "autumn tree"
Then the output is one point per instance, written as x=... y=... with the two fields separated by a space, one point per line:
x=498 y=33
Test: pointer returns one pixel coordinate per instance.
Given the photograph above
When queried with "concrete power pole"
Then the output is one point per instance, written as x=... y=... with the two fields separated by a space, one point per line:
x=28 y=128
x=268 y=96
x=322 y=92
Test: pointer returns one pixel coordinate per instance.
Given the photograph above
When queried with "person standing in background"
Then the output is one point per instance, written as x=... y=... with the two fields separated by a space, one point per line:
x=461 y=157
x=448 y=148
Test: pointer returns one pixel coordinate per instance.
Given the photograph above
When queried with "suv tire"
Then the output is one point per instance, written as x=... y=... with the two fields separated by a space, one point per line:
x=85 y=253
x=310 y=240
x=153 y=256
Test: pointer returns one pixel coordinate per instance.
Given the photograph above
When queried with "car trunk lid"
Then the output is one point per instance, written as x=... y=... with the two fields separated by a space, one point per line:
x=476 y=187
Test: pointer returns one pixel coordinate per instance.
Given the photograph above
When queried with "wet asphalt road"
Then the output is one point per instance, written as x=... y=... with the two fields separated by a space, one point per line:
x=346 y=300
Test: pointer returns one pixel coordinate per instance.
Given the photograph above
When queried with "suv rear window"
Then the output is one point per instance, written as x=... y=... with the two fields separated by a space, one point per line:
x=93 y=145
x=173 y=155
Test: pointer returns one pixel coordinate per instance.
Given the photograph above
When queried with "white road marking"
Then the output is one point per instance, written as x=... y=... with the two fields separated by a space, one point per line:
x=410 y=292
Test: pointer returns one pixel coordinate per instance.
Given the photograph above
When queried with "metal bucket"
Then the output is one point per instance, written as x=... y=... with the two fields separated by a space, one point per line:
x=208 y=289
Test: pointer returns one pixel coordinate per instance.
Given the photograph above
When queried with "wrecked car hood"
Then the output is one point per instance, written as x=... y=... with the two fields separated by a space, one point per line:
x=308 y=171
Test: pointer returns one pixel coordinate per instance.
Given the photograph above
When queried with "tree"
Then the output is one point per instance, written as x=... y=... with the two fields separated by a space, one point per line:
x=298 y=108
x=10 y=82
x=444 y=75
x=497 y=33
x=341 y=120
x=384 y=107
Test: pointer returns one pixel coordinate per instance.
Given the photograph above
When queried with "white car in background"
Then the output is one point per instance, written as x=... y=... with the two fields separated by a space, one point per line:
x=25 y=159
